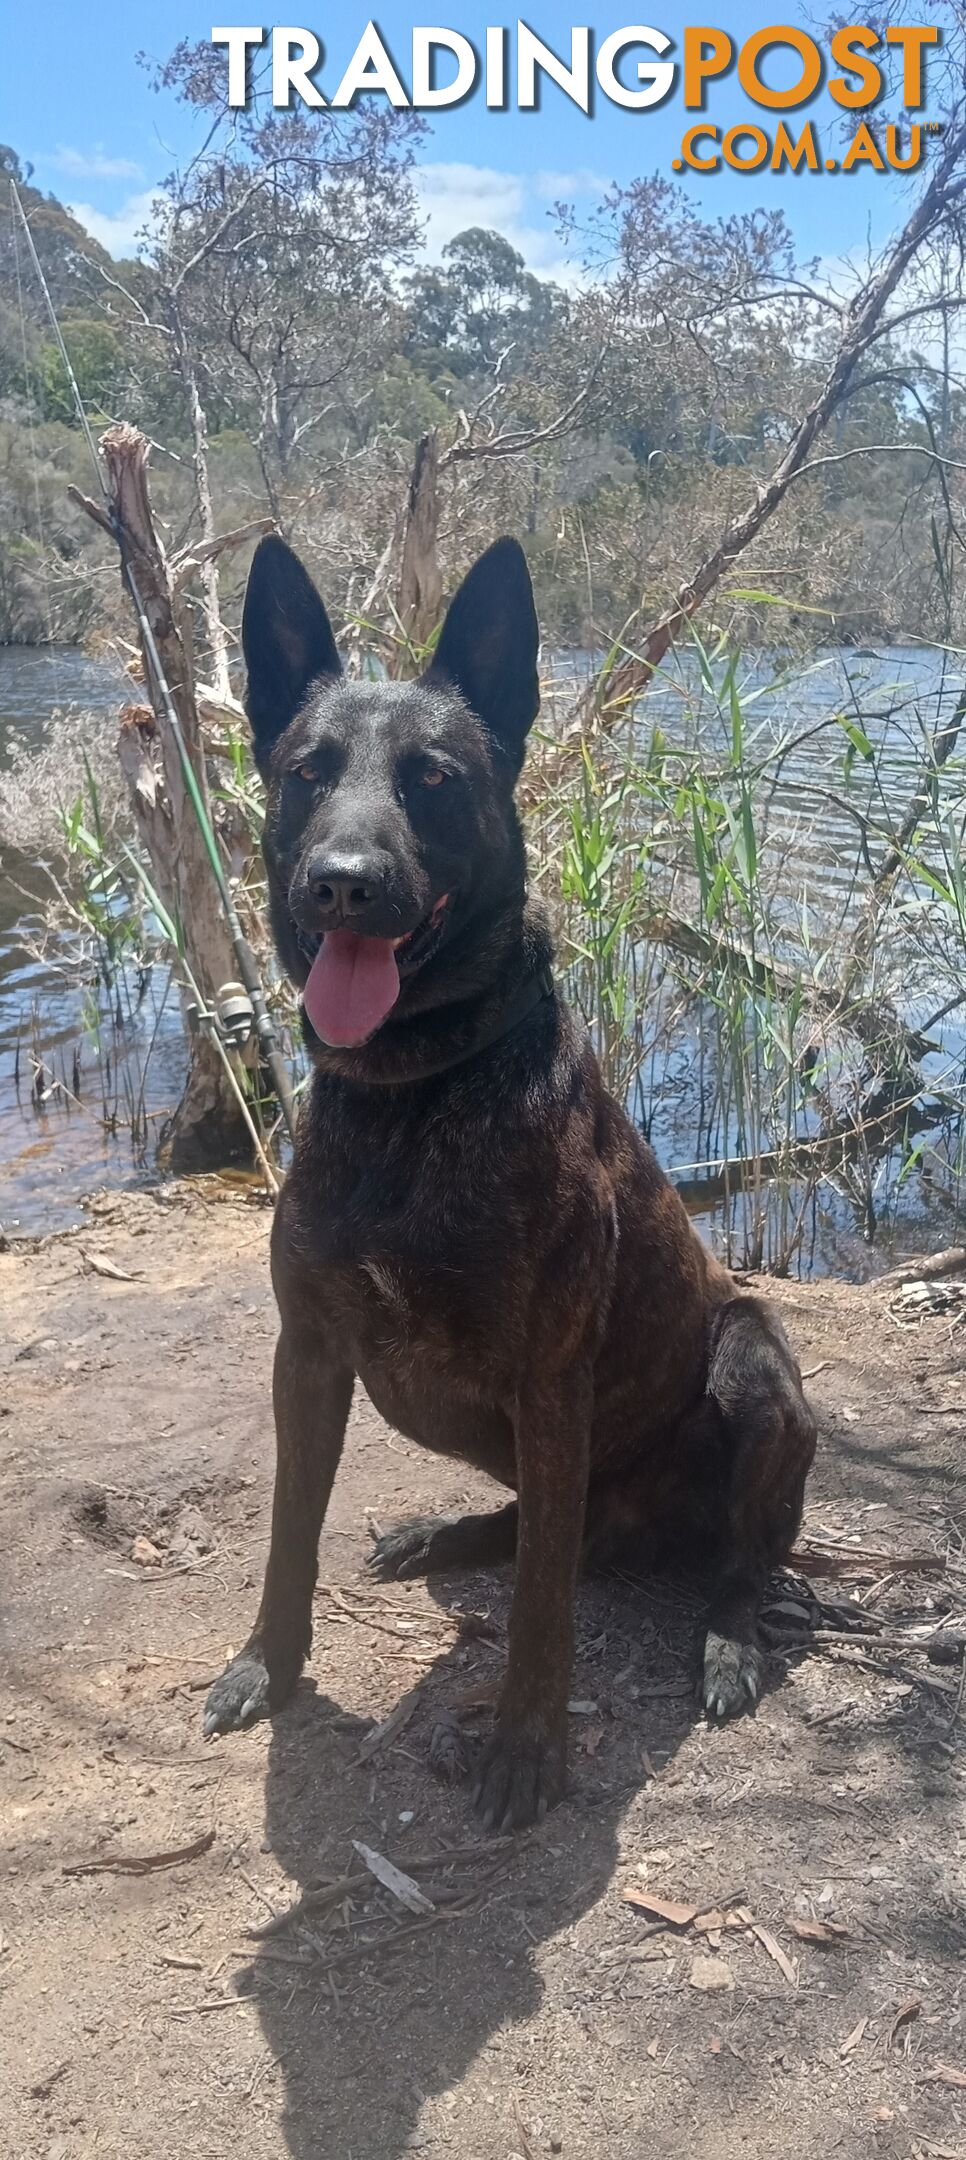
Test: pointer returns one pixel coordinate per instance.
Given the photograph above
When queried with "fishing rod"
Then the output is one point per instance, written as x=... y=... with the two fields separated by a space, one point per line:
x=247 y=966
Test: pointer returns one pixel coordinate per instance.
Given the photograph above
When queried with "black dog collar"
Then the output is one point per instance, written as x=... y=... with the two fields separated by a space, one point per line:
x=530 y=994
x=511 y=1016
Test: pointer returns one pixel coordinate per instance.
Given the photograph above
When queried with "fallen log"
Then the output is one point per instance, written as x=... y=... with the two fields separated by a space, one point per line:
x=925 y=1269
x=873 y=1022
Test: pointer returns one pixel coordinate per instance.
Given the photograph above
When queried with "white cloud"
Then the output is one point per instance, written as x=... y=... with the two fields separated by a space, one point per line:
x=452 y=197
x=455 y=196
x=118 y=231
x=93 y=165
x=555 y=187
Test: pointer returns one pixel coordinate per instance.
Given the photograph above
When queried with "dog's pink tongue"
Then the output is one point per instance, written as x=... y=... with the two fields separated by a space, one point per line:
x=353 y=984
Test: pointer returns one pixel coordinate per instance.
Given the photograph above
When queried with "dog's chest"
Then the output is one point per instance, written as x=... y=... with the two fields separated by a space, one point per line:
x=417 y=1333
x=417 y=1240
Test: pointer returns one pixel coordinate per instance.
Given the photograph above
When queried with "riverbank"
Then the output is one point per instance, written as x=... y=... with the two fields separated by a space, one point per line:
x=532 y=2011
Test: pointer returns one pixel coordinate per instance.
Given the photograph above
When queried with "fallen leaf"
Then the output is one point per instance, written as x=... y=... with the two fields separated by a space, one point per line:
x=711 y=1923
x=775 y=1951
x=98 y=1264
x=716 y=2043
x=826 y=1932
x=652 y=2049
x=905 y=2015
x=941 y=2073
x=711 y=1975
x=852 y=2039
x=668 y=1909
x=392 y=1878
x=591 y=1739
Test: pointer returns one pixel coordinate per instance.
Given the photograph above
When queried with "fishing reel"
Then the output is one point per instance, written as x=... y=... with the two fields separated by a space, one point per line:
x=235 y=1013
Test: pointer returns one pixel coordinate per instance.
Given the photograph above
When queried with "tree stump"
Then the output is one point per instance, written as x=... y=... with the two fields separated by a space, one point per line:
x=207 y=1128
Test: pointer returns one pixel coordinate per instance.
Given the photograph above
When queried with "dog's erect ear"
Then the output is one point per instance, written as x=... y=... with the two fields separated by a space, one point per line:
x=488 y=646
x=287 y=639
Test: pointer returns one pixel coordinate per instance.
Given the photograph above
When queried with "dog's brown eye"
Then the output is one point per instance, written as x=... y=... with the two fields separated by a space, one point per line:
x=432 y=777
x=308 y=772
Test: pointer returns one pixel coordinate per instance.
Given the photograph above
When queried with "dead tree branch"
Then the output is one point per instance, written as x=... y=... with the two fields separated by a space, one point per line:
x=188 y=561
x=620 y=684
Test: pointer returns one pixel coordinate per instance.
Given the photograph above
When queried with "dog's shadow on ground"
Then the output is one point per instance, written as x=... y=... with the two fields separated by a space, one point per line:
x=365 y=2043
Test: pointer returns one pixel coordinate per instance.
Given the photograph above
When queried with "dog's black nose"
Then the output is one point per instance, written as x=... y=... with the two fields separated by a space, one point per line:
x=346 y=883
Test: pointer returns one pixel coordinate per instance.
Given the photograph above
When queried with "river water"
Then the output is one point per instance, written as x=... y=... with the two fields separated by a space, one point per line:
x=73 y=1047
x=66 y=1034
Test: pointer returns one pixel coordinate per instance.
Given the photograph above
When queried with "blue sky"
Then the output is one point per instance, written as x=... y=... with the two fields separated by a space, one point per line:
x=75 y=102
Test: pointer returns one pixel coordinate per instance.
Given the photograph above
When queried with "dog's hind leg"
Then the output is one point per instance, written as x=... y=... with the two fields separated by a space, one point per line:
x=431 y=1544
x=312 y=1396
x=769 y=1434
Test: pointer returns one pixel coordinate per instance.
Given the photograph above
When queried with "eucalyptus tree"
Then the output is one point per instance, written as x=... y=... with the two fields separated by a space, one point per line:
x=275 y=255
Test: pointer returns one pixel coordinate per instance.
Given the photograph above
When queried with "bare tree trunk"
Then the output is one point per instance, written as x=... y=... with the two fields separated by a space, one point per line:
x=620 y=684
x=420 y=595
x=421 y=579
x=533 y=508
x=268 y=478
x=207 y=1128
x=208 y=564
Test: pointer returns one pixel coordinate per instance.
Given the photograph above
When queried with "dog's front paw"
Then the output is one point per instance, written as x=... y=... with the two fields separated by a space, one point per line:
x=732 y=1676
x=405 y=1551
x=240 y=1695
x=518 y=1779
x=449 y=1757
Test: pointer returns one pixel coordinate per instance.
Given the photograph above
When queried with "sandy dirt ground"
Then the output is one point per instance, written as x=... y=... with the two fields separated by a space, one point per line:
x=527 y=2005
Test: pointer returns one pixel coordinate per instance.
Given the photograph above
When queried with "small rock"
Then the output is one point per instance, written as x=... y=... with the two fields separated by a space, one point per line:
x=710 y=1975
x=144 y=1554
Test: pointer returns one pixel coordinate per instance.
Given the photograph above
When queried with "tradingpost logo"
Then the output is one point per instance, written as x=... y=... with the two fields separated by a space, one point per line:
x=781 y=71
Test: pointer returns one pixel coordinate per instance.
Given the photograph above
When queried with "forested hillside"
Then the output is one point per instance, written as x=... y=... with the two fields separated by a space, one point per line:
x=289 y=350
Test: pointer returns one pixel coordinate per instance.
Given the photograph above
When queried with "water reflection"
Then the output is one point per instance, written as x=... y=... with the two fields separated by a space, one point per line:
x=78 y=1047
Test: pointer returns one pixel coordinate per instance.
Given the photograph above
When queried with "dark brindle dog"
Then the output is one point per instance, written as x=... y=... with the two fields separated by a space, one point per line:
x=472 y=1226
